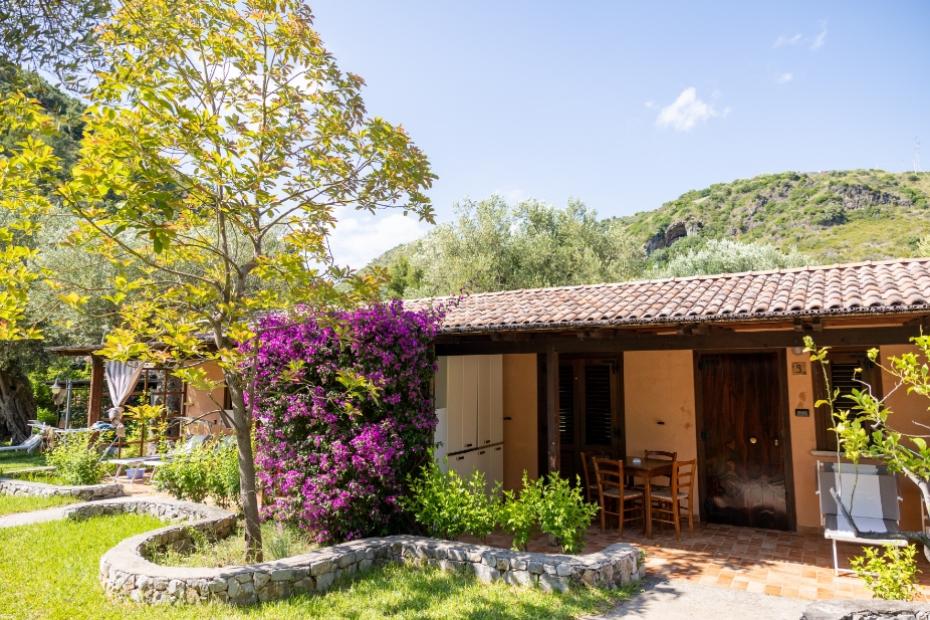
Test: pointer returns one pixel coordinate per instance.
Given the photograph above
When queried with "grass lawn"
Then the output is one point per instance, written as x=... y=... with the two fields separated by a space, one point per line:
x=23 y=503
x=49 y=570
x=14 y=462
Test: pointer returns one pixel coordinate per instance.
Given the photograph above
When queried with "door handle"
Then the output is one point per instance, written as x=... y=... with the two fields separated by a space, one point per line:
x=753 y=440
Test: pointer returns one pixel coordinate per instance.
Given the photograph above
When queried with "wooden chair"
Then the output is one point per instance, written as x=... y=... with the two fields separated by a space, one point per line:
x=590 y=483
x=610 y=489
x=661 y=455
x=669 y=502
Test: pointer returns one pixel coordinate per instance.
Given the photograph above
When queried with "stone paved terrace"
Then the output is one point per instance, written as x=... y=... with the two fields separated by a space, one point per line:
x=770 y=562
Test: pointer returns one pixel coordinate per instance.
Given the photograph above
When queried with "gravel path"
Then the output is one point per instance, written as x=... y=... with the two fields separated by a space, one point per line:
x=679 y=599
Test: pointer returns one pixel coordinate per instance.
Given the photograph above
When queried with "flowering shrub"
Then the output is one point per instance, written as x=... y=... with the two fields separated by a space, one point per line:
x=344 y=415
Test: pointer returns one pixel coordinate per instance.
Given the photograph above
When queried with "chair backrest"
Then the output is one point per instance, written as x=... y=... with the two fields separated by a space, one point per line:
x=192 y=442
x=661 y=455
x=584 y=469
x=869 y=491
x=683 y=476
x=608 y=473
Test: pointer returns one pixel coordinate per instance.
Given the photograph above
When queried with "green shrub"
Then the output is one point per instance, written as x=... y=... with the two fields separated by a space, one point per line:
x=206 y=471
x=46 y=416
x=518 y=514
x=447 y=506
x=891 y=575
x=563 y=513
x=76 y=460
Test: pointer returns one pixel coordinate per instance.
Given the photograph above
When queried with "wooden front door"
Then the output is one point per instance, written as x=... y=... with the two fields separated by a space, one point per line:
x=590 y=410
x=744 y=439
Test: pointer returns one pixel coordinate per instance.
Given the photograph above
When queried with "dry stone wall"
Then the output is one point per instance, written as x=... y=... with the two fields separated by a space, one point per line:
x=128 y=574
x=87 y=493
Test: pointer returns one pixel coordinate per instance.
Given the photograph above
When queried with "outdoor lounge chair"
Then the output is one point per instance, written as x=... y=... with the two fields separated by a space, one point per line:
x=869 y=496
x=29 y=446
x=159 y=459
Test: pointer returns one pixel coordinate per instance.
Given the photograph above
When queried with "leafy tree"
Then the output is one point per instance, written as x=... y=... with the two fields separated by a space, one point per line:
x=217 y=127
x=57 y=36
x=492 y=246
x=726 y=256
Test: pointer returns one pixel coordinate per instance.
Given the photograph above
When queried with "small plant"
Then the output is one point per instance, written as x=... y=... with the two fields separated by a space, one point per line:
x=563 y=513
x=206 y=471
x=518 y=513
x=891 y=574
x=76 y=460
x=46 y=416
x=447 y=505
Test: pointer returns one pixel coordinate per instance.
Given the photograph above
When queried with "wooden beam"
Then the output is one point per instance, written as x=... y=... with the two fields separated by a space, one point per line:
x=552 y=410
x=95 y=398
x=720 y=340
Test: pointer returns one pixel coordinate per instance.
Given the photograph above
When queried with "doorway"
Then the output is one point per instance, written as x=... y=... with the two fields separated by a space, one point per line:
x=743 y=439
x=590 y=410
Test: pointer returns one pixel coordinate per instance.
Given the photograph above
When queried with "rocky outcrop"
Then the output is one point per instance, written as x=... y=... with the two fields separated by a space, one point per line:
x=672 y=233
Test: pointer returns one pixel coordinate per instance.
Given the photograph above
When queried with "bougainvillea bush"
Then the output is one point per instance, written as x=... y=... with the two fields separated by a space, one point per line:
x=344 y=414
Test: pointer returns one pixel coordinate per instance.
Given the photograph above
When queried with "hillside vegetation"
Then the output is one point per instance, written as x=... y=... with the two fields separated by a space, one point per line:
x=836 y=216
x=769 y=221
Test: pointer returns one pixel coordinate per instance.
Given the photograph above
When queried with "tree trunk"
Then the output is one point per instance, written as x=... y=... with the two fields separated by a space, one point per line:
x=242 y=422
x=17 y=405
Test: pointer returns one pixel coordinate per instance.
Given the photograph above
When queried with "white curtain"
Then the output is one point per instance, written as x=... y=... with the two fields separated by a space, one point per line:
x=121 y=380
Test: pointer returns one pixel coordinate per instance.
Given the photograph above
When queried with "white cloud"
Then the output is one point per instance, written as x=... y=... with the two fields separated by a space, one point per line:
x=785 y=40
x=784 y=78
x=687 y=111
x=359 y=236
x=649 y=104
x=821 y=38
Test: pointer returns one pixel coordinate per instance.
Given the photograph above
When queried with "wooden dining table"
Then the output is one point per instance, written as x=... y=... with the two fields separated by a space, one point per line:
x=647 y=469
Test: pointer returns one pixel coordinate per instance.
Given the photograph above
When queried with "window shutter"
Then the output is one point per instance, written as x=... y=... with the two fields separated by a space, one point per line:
x=599 y=414
x=566 y=404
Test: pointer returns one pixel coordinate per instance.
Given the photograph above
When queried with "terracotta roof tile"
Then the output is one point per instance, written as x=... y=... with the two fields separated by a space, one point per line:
x=856 y=288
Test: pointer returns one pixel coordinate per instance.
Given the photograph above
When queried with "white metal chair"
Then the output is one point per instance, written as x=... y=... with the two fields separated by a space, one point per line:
x=869 y=496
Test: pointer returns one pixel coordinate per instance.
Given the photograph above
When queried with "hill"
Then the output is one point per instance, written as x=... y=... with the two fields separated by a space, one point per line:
x=768 y=221
x=830 y=217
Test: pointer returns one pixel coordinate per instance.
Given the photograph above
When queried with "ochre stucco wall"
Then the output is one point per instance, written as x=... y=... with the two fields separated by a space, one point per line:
x=658 y=386
x=803 y=441
x=520 y=419
x=199 y=403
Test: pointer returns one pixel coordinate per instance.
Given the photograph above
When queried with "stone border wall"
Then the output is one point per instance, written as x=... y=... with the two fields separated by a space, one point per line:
x=10 y=485
x=127 y=574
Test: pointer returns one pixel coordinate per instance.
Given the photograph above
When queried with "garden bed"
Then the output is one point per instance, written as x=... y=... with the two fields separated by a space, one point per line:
x=42 y=482
x=128 y=572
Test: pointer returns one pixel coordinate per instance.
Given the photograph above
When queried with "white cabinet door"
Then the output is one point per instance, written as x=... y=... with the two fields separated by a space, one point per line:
x=442 y=428
x=465 y=463
x=495 y=388
x=484 y=399
x=495 y=468
x=469 y=396
x=454 y=405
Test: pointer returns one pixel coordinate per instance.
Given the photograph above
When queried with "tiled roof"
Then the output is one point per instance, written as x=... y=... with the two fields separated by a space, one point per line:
x=892 y=286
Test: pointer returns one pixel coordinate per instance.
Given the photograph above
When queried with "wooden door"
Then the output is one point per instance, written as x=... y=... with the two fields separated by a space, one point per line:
x=590 y=411
x=744 y=439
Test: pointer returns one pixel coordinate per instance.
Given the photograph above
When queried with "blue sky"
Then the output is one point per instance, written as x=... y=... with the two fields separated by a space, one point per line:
x=624 y=105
